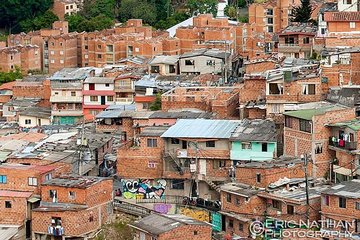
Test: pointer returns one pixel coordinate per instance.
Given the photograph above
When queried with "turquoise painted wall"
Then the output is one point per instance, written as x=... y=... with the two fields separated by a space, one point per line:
x=255 y=153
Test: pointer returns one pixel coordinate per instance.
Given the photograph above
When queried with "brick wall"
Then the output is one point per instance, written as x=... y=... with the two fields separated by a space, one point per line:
x=196 y=232
x=16 y=214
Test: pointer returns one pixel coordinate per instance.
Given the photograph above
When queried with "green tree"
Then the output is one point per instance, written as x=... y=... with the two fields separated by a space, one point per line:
x=42 y=21
x=156 y=105
x=94 y=8
x=137 y=9
x=303 y=12
x=171 y=21
x=230 y=11
x=79 y=23
x=12 y=12
x=10 y=76
x=202 y=6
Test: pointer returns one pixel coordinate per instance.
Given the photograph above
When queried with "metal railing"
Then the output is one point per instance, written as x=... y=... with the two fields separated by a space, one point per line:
x=343 y=144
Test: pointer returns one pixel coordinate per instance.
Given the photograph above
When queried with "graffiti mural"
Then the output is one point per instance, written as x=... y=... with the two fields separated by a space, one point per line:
x=201 y=215
x=164 y=208
x=143 y=188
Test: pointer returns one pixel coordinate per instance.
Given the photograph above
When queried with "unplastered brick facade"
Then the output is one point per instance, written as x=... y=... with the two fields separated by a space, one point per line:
x=38 y=89
x=297 y=142
x=221 y=101
x=93 y=195
x=25 y=57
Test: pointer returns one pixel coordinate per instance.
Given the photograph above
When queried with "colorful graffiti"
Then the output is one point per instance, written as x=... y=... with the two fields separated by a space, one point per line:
x=164 y=208
x=201 y=215
x=143 y=189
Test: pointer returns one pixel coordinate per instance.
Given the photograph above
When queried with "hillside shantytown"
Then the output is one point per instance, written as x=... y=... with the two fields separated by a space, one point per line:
x=179 y=120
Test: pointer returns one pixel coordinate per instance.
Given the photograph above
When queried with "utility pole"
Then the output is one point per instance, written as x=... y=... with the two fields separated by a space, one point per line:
x=304 y=158
x=225 y=68
x=197 y=172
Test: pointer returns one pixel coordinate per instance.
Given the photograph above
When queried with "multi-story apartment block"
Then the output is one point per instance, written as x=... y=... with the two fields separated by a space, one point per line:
x=67 y=200
x=66 y=95
x=27 y=58
x=98 y=93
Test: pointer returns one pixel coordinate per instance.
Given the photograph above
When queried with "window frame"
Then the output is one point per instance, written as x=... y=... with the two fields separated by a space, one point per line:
x=32 y=181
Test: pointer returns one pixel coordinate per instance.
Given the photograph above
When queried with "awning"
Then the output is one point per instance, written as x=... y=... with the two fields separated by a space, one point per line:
x=342 y=170
x=33 y=199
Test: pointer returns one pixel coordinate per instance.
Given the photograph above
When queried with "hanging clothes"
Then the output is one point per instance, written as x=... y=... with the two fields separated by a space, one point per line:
x=342 y=143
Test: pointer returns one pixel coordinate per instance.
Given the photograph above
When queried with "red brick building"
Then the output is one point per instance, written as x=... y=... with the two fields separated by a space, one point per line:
x=27 y=58
x=68 y=199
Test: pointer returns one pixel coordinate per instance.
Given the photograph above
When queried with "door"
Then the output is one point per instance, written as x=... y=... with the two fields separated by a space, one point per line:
x=102 y=100
x=184 y=144
x=39 y=122
x=203 y=166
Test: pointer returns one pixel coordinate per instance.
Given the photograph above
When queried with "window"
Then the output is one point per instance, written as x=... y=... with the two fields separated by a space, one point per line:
x=219 y=164
x=109 y=48
x=151 y=142
x=264 y=147
x=305 y=125
x=352 y=24
x=228 y=197
x=53 y=195
x=93 y=98
x=241 y=227
x=195 y=232
x=306 y=40
x=357 y=205
x=177 y=184
x=32 y=181
x=73 y=94
x=288 y=122
x=27 y=121
x=61 y=61
x=52 y=52
x=276 y=204
x=269 y=11
x=318 y=148
x=270 y=20
x=270 y=29
x=245 y=145
x=107 y=85
x=231 y=223
x=189 y=62
x=275 y=88
x=99 y=56
x=174 y=141
x=342 y=202
x=210 y=62
x=155 y=69
x=347 y=1
x=72 y=194
x=151 y=164
x=2 y=178
x=7 y=204
x=110 y=98
x=323 y=31
x=172 y=69
x=326 y=200
x=308 y=89
x=99 y=46
x=290 y=209
x=210 y=144
x=258 y=177
x=237 y=201
x=48 y=177
x=52 y=61
x=61 y=52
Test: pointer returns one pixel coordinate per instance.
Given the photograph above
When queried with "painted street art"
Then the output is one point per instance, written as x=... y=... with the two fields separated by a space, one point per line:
x=143 y=188
x=201 y=215
x=164 y=208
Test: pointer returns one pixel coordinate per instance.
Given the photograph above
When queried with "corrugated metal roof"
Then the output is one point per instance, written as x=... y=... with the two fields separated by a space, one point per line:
x=307 y=114
x=201 y=128
x=350 y=189
x=255 y=130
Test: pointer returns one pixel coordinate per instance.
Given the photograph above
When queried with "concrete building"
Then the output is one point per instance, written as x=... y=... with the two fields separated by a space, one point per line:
x=204 y=61
x=61 y=8
x=164 y=65
x=98 y=93
x=124 y=87
x=34 y=117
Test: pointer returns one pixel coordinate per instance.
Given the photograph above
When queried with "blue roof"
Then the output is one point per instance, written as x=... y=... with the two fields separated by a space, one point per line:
x=201 y=128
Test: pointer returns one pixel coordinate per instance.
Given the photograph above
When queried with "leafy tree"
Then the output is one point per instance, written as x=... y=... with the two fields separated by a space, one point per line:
x=93 y=8
x=10 y=76
x=137 y=9
x=42 y=21
x=243 y=19
x=203 y=6
x=171 y=21
x=12 y=12
x=230 y=11
x=156 y=105
x=79 y=23
x=303 y=12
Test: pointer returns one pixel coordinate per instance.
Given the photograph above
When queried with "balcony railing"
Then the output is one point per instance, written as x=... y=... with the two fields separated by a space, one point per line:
x=342 y=144
x=70 y=99
x=56 y=230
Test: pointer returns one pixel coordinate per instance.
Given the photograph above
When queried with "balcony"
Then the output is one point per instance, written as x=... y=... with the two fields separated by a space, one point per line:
x=124 y=88
x=67 y=112
x=124 y=100
x=289 y=47
x=66 y=99
x=342 y=144
x=56 y=230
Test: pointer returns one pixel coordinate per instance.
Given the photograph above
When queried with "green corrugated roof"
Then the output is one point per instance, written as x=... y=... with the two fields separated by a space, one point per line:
x=352 y=124
x=307 y=114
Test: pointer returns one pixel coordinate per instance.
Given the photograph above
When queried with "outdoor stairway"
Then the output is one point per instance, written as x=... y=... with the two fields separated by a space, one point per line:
x=175 y=162
x=212 y=184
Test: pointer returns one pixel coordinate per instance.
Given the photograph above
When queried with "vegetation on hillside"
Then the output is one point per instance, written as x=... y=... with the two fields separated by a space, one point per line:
x=10 y=76
x=303 y=12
